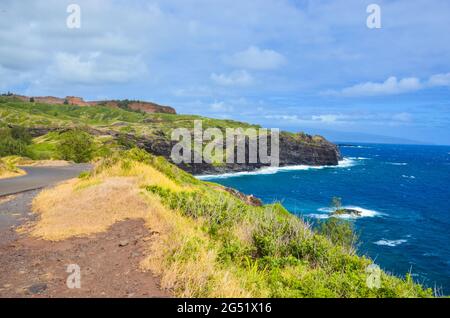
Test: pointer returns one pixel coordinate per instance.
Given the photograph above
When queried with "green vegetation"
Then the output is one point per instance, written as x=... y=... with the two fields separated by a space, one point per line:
x=340 y=232
x=76 y=146
x=270 y=252
x=215 y=243
x=8 y=168
x=25 y=114
x=14 y=141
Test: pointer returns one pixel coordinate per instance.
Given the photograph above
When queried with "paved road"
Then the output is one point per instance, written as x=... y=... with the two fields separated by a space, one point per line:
x=40 y=177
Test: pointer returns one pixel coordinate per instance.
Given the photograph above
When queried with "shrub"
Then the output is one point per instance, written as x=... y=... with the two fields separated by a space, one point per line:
x=20 y=133
x=76 y=145
x=14 y=142
x=339 y=231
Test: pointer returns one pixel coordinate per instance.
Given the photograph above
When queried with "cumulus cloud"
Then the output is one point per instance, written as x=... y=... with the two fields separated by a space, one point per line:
x=236 y=78
x=257 y=59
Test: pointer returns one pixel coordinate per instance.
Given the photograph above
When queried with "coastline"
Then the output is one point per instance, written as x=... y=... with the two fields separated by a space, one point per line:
x=344 y=163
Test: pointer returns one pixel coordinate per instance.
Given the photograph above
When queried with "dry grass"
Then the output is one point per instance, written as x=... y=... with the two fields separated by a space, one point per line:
x=12 y=174
x=27 y=162
x=184 y=258
x=180 y=253
x=8 y=170
x=48 y=163
x=66 y=213
x=144 y=174
x=91 y=205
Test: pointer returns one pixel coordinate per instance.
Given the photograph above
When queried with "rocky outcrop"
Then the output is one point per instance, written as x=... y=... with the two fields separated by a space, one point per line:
x=146 y=107
x=248 y=199
x=295 y=149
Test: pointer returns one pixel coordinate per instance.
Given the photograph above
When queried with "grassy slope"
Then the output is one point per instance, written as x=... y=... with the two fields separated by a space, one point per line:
x=209 y=243
x=26 y=114
x=43 y=115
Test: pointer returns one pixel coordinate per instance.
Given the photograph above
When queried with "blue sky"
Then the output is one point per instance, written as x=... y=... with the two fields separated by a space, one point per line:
x=301 y=65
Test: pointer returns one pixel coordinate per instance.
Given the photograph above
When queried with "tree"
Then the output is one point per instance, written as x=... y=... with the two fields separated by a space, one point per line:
x=76 y=145
x=336 y=203
x=31 y=99
x=66 y=101
x=339 y=231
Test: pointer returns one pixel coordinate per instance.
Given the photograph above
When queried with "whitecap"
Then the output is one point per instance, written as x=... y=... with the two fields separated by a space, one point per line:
x=355 y=146
x=344 y=163
x=408 y=177
x=390 y=243
x=397 y=163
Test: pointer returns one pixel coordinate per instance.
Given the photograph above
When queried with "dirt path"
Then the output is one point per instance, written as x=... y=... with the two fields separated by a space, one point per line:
x=108 y=262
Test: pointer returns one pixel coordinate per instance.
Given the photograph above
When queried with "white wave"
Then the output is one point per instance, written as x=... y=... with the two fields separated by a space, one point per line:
x=355 y=146
x=359 y=158
x=390 y=243
x=344 y=163
x=364 y=213
x=397 y=163
x=408 y=177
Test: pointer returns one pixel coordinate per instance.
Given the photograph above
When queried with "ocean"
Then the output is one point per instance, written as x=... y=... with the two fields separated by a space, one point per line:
x=402 y=192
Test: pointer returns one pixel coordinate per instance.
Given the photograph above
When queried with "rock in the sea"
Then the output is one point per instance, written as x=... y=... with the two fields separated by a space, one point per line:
x=351 y=212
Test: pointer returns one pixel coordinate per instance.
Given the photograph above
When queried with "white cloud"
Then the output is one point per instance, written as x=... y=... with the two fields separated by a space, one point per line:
x=257 y=59
x=439 y=80
x=311 y=119
x=94 y=68
x=403 y=117
x=236 y=78
x=221 y=107
x=328 y=118
x=392 y=86
x=389 y=87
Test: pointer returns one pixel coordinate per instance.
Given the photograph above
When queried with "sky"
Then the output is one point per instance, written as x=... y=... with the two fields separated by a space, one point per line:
x=297 y=65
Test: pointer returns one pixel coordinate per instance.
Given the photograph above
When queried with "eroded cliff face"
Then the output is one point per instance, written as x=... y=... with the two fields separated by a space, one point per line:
x=293 y=150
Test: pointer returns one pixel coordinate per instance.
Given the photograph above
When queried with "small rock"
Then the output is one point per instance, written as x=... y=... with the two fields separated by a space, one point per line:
x=37 y=288
x=123 y=243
